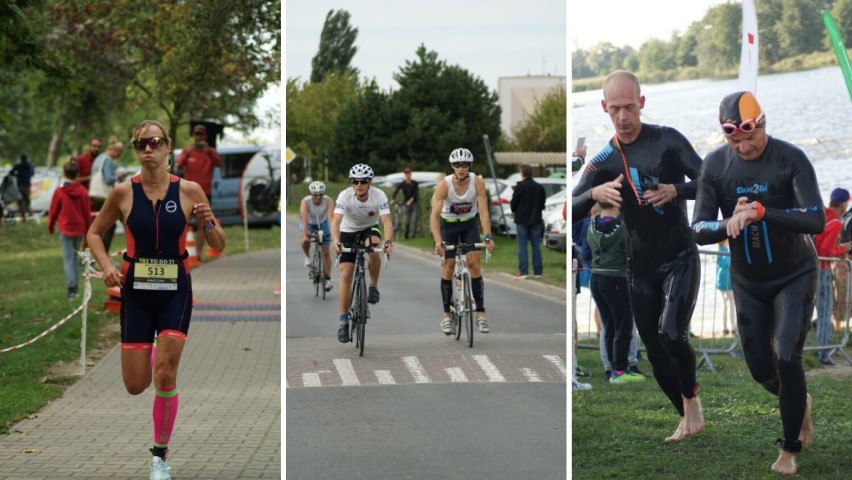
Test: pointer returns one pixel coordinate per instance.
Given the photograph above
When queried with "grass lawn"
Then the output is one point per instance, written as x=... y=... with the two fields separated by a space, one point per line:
x=505 y=258
x=33 y=298
x=618 y=430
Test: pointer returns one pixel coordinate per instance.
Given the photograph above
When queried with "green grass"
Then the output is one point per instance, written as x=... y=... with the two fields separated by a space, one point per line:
x=505 y=258
x=34 y=297
x=618 y=430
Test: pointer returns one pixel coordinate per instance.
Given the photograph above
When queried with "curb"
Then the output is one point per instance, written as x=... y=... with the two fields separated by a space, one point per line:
x=542 y=289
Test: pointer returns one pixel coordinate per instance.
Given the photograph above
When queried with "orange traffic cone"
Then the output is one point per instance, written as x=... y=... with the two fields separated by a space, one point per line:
x=191 y=251
x=113 y=300
x=212 y=252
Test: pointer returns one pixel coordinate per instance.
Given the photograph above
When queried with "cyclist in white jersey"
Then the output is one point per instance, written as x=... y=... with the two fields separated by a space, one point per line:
x=356 y=218
x=458 y=201
x=315 y=211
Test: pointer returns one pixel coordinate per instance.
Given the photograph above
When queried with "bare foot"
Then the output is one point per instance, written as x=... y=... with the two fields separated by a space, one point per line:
x=692 y=421
x=786 y=463
x=806 y=434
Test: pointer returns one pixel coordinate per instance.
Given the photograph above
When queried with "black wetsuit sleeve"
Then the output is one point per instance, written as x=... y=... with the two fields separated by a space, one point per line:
x=809 y=217
x=596 y=172
x=690 y=165
x=705 y=227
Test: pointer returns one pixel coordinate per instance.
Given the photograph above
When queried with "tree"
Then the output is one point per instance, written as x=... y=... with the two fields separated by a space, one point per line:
x=656 y=55
x=545 y=130
x=447 y=108
x=337 y=46
x=842 y=13
x=800 y=29
x=719 y=41
x=313 y=110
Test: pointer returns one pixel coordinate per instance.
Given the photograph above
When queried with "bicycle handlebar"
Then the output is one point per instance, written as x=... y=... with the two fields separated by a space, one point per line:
x=463 y=246
x=357 y=248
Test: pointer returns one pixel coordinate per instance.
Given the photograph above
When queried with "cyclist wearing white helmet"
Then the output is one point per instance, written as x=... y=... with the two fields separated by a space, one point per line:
x=458 y=202
x=356 y=218
x=315 y=211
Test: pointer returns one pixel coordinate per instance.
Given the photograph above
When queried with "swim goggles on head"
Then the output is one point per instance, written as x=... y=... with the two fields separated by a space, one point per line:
x=746 y=126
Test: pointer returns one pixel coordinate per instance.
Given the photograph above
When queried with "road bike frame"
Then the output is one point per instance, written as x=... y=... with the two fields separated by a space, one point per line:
x=359 y=310
x=463 y=306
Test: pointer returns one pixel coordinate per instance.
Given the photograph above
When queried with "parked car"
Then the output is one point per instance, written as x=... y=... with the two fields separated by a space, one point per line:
x=555 y=229
x=424 y=179
x=507 y=227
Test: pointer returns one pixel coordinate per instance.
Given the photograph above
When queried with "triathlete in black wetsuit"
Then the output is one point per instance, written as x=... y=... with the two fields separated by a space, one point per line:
x=663 y=266
x=767 y=192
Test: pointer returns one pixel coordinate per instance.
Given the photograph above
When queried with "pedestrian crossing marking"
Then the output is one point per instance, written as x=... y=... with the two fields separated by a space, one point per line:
x=489 y=368
x=456 y=374
x=432 y=369
x=413 y=365
x=346 y=371
x=530 y=375
x=384 y=377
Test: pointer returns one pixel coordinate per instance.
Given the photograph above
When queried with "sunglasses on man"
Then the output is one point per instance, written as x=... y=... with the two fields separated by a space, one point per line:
x=360 y=181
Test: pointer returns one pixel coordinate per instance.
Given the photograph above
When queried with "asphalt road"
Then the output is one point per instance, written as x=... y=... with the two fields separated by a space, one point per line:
x=419 y=404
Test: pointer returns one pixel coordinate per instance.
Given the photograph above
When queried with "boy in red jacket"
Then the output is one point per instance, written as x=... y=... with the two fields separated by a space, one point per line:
x=827 y=245
x=70 y=207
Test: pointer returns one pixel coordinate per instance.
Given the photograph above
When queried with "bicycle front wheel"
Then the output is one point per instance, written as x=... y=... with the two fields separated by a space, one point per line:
x=320 y=273
x=468 y=317
x=360 y=326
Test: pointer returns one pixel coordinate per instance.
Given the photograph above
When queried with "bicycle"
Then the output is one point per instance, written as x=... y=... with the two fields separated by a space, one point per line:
x=359 y=310
x=316 y=269
x=463 y=306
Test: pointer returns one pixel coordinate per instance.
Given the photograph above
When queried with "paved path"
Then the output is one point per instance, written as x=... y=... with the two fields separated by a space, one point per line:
x=229 y=422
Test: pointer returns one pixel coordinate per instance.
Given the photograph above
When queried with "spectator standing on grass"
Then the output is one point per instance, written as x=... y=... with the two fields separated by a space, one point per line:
x=723 y=284
x=827 y=245
x=841 y=275
x=69 y=208
x=23 y=172
x=607 y=240
x=103 y=181
x=527 y=204
x=410 y=193
x=197 y=160
x=85 y=161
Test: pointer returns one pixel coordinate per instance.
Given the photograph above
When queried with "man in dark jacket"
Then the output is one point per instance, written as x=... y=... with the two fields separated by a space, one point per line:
x=23 y=172
x=527 y=204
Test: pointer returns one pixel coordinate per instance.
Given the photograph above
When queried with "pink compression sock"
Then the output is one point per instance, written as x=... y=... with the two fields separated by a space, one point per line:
x=165 y=411
x=153 y=353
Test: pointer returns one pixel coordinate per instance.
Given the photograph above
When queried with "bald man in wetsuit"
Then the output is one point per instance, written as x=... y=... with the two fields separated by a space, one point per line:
x=643 y=169
x=767 y=192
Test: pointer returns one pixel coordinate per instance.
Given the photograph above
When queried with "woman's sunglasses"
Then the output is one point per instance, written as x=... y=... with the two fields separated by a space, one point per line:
x=360 y=181
x=747 y=126
x=461 y=165
x=154 y=142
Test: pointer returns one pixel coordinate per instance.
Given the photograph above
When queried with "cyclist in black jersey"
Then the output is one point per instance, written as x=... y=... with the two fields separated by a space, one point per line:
x=642 y=170
x=767 y=192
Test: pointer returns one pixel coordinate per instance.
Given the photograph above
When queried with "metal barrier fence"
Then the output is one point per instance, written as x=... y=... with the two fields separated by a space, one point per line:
x=708 y=335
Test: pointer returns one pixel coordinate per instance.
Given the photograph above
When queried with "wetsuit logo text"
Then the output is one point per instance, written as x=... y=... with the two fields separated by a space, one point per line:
x=754 y=189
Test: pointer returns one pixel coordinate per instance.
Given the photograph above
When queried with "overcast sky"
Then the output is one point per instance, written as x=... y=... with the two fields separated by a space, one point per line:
x=631 y=22
x=490 y=39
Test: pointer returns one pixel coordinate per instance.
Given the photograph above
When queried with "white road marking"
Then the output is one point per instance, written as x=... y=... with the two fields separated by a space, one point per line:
x=456 y=374
x=554 y=359
x=530 y=375
x=311 y=379
x=489 y=368
x=384 y=377
x=417 y=371
x=346 y=371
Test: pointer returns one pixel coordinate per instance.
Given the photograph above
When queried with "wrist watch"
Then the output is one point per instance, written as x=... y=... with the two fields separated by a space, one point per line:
x=208 y=227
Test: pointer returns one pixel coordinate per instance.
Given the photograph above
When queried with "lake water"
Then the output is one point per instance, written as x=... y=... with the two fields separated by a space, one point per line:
x=810 y=109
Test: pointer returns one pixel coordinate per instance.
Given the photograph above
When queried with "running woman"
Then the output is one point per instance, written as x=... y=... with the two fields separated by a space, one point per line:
x=356 y=218
x=156 y=296
x=315 y=211
x=767 y=192
x=642 y=171
x=459 y=205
